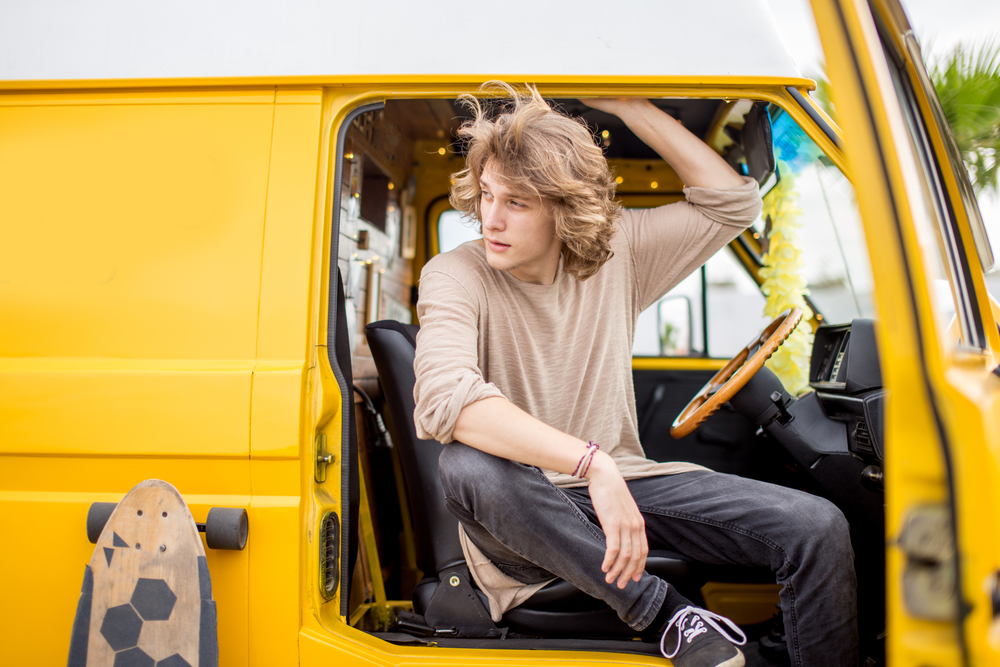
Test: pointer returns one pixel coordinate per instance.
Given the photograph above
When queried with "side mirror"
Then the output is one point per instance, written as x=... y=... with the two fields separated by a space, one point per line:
x=752 y=152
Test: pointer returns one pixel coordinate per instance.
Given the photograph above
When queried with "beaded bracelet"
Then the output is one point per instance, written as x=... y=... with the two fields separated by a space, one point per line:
x=588 y=456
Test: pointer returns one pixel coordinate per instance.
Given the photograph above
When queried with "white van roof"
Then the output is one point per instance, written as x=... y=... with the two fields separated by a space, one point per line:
x=115 y=39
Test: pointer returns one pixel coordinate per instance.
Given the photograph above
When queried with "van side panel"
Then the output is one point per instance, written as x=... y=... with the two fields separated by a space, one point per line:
x=130 y=268
x=284 y=338
x=131 y=233
x=43 y=516
x=132 y=230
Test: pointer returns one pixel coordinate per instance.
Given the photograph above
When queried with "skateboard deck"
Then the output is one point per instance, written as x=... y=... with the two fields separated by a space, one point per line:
x=147 y=595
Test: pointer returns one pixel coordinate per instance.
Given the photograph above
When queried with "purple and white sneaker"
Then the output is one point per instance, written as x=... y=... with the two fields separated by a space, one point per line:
x=698 y=638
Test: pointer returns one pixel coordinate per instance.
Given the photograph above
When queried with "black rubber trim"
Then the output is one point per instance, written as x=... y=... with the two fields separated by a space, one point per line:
x=921 y=362
x=525 y=644
x=814 y=115
x=346 y=392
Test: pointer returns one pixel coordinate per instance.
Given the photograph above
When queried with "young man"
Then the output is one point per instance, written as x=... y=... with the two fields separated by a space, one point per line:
x=523 y=364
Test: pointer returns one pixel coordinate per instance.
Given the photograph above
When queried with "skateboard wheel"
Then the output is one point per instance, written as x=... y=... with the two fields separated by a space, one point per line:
x=227 y=528
x=97 y=518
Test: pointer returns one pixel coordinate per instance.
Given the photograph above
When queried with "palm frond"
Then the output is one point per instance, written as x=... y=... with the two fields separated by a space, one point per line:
x=967 y=81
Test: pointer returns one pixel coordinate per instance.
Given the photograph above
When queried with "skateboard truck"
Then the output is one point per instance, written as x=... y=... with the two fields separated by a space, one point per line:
x=224 y=528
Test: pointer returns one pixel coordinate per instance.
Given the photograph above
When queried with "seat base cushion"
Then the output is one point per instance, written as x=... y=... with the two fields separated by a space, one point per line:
x=560 y=609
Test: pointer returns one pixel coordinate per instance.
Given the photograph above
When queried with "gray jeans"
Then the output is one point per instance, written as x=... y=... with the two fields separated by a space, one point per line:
x=533 y=531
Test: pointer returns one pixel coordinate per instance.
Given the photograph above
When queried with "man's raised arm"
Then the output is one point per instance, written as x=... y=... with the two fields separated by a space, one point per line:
x=694 y=161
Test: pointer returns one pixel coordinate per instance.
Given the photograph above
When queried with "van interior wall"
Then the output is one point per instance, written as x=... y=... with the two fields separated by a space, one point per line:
x=389 y=150
x=396 y=162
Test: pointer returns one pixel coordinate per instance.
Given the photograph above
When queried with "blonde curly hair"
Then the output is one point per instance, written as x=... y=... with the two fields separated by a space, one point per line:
x=534 y=149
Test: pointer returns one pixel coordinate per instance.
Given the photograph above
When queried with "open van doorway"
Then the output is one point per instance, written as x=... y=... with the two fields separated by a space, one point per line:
x=397 y=575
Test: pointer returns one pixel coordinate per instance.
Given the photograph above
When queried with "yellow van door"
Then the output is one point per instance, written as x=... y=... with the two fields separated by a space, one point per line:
x=285 y=380
x=937 y=337
x=131 y=235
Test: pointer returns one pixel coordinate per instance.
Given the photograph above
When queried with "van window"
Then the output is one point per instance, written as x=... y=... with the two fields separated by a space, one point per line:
x=724 y=300
x=713 y=312
x=952 y=291
x=834 y=252
x=453 y=229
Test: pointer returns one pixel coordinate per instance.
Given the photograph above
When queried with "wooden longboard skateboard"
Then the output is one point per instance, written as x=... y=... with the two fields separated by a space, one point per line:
x=147 y=595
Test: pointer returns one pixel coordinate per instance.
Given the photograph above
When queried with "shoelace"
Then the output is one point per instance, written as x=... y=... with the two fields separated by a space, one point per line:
x=697 y=627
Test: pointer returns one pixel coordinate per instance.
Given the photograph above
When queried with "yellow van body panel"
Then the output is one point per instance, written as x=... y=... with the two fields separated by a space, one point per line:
x=284 y=319
x=941 y=422
x=918 y=476
x=443 y=84
x=285 y=336
x=177 y=224
x=351 y=647
x=160 y=304
x=43 y=506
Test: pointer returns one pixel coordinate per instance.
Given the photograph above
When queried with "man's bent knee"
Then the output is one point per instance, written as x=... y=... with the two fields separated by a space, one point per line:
x=826 y=527
x=462 y=467
x=828 y=521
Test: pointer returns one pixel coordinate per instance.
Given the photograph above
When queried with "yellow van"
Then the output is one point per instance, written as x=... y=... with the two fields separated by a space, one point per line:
x=201 y=209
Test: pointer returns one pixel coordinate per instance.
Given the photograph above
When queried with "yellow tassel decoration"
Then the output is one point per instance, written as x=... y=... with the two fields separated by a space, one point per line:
x=784 y=285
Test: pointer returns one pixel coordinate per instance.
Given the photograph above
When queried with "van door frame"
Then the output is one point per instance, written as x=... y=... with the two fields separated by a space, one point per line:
x=943 y=396
x=331 y=628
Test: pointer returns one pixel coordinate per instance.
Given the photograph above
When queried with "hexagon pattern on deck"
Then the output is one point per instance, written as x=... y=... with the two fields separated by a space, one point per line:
x=121 y=627
x=152 y=600
x=134 y=657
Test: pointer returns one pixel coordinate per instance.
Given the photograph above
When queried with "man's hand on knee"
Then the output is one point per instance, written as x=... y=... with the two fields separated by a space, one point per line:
x=623 y=525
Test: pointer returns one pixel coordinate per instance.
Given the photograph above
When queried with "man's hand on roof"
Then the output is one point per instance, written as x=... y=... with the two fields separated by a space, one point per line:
x=695 y=162
x=614 y=105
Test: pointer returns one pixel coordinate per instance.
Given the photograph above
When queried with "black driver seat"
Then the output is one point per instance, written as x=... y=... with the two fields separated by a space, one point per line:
x=559 y=609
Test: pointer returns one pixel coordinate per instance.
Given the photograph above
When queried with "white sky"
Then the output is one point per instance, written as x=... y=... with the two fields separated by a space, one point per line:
x=939 y=26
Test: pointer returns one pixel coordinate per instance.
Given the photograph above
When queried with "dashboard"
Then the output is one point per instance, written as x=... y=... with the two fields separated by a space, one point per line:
x=845 y=373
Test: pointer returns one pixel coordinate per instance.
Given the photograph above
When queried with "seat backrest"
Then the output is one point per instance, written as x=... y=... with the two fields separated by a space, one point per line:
x=393 y=345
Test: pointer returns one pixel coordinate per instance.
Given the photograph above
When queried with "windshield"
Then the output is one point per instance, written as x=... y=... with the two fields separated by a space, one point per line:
x=834 y=252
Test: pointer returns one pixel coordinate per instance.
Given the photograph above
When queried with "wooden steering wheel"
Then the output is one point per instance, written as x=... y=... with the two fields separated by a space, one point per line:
x=735 y=374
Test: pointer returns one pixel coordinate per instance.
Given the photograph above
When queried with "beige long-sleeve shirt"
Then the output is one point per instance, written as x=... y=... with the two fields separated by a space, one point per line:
x=561 y=352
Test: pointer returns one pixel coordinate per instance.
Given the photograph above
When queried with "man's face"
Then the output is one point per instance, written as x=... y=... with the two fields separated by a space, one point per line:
x=519 y=232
